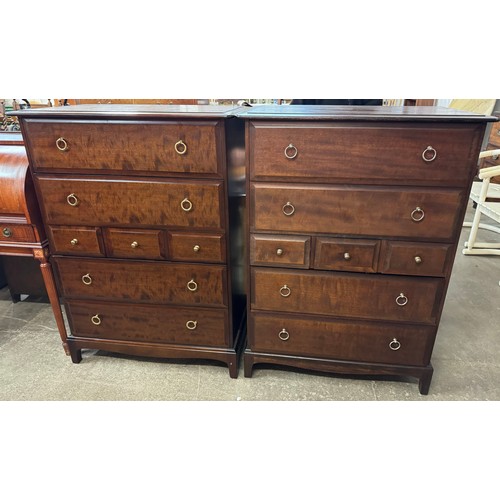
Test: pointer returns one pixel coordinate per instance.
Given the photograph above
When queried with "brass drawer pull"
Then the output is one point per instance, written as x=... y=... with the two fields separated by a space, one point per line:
x=196 y=248
x=180 y=148
x=418 y=259
x=186 y=205
x=401 y=299
x=191 y=325
x=87 y=280
x=394 y=344
x=419 y=217
x=284 y=335
x=74 y=241
x=347 y=256
x=192 y=286
x=61 y=144
x=288 y=209
x=279 y=251
x=291 y=152
x=134 y=244
x=72 y=200
x=285 y=291
x=7 y=232
x=425 y=154
x=96 y=320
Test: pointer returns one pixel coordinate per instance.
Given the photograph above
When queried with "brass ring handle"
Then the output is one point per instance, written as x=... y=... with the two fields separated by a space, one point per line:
x=134 y=244
x=284 y=335
x=418 y=259
x=61 y=144
x=87 y=280
x=292 y=149
x=288 y=209
x=180 y=147
x=414 y=216
x=72 y=200
x=196 y=248
x=279 y=251
x=192 y=286
x=401 y=299
x=74 y=241
x=347 y=256
x=431 y=150
x=394 y=344
x=191 y=325
x=186 y=205
x=96 y=320
x=285 y=291
x=7 y=232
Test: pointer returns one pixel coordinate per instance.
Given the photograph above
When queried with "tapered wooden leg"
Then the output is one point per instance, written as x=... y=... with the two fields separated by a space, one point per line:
x=424 y=382
x=75 y=353
x=232 y=364
x=48 y=278
x=247 y=365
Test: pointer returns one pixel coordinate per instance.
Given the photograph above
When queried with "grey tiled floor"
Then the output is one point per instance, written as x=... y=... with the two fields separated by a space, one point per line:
x=466 y=359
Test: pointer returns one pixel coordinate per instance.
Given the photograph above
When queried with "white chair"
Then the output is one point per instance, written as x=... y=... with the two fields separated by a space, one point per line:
x=486 y=196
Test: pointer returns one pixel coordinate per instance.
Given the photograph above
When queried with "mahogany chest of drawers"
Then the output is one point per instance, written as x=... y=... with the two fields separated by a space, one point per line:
x=136 y=203
x=354 y=217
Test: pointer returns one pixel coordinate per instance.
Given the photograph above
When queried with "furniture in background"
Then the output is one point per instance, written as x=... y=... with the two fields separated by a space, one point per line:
x=21 y=229
x=143 y=209
x=485 y=196
x=354 y=219
x=492 y=144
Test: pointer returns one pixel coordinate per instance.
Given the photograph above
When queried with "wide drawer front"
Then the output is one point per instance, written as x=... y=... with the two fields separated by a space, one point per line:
x=143 y=323
x=345 y=340
x=339 y=294
x=134 y=281
x=397 y=212
x=299 y=151
x=77 y=201
x=76 y=240
x=178 y=147
x=17 y=233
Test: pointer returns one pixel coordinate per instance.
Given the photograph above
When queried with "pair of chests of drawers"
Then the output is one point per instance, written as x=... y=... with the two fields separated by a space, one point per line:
x=136 y=213
x=352 y=226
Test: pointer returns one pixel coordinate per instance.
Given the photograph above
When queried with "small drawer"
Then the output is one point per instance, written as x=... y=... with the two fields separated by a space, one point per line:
x=286 y=251
x=148 y=323
x=142 y=281
x=108 y=145
x=346 y=254
x=75 y=240
x=370 y=342
x=20 y=233
x=190 y=247
x=134 y=243
x=419 y=259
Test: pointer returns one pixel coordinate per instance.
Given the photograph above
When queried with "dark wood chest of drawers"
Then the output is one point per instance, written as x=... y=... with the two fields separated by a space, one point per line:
x=354 y=218
x=136 y=202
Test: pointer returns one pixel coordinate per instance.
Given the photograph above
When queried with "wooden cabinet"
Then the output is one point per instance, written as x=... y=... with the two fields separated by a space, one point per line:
x=354 y=218
x=136 y=204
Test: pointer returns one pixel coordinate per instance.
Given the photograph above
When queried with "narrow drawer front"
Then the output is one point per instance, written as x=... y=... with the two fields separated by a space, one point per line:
x=347 y=295
x=76 y=240
x=20 y=233
x=93 y=201
x=143 y=323
x=440 y=154
x=286 y=251
x=404 y=212
x=419 y=259
x=346 y=254
x=133 y=281
x=343 y=340
x=134 y=243
x=117 y=146
x=190 y=247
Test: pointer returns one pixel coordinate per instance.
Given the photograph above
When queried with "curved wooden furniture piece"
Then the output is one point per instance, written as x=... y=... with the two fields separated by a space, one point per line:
x=21 y=229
